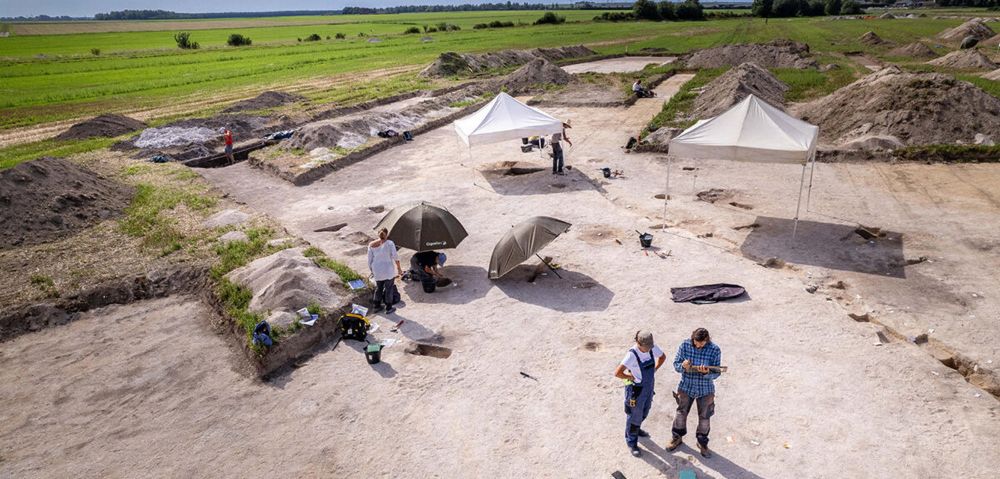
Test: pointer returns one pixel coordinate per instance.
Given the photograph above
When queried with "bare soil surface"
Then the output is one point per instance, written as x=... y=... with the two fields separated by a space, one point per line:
x=776 y=54
x=148 y=387
x=618 y=65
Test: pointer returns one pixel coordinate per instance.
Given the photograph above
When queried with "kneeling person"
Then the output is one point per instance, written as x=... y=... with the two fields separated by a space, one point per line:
x=426 y=268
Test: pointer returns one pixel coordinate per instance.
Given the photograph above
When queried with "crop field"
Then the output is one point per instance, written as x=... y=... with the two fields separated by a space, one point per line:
x=48 y=78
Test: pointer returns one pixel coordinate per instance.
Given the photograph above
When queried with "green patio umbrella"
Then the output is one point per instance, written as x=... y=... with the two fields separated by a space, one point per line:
x=422 y=227
x=522 y=241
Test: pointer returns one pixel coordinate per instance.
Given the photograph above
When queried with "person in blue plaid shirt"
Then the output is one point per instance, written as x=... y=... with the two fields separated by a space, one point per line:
x=694 y=356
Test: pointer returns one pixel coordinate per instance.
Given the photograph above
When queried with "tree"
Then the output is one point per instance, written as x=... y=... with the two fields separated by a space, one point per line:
x=646 y=10
x=666 y=11
x=785 y=8
x=763 y=8
x=832 y=7
x=850 y=7
x=690 y=10
x=183 y=40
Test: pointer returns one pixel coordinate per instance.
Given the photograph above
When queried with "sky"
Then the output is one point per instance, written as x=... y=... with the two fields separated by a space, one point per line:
x=87 y=8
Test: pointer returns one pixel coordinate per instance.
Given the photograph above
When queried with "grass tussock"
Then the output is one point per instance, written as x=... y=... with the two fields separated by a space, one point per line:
x=148 y=216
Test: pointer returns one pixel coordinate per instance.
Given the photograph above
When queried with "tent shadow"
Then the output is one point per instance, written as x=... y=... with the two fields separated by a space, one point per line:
x=827 y=245
x=534 y=178
x=574 y=293
x=469 y=284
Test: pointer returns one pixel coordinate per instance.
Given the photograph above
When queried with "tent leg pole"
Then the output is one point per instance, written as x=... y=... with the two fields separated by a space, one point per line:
x=809 y=192
x=798 y=206
x=666 y=195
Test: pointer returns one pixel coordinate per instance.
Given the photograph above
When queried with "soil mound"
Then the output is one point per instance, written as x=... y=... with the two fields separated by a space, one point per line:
x=451 y=63
x=887 y=16
x=102 y=126
x=51 y=198
x=993 y=42
x=735 y=85
x=562 y=53
x=777 y=54
x=872 y=39
x=916 y=108
x=964 y=59
x=975 y=28
x=993 y=75
x=913 y=50
x=288 y=281
x=268 y=99
x=537 y=72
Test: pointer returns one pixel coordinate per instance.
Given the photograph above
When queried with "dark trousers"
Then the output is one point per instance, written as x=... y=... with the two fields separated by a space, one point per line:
x=384 y=292
x=706 y=408
x=557 y=158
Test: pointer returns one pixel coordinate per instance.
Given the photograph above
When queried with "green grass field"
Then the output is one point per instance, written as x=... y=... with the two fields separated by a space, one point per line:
x=53 y=77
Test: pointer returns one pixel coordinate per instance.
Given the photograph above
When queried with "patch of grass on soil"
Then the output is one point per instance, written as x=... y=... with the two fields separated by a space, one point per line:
x=12 y=155
x=45 y=284
x=683 y=101
x=235 y=300
x=147 y=217
x=809 y=84
x=321 y=259
x=234 y=254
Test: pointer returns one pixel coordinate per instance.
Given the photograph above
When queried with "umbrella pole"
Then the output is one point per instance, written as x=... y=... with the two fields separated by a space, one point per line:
x=549 y=265
x=812 y=170
x=798 y=206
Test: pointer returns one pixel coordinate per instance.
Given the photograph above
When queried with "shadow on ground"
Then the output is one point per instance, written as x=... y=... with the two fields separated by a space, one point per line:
x=469 y=283
x=574 y=292
x=532 y=177
x=828 y=245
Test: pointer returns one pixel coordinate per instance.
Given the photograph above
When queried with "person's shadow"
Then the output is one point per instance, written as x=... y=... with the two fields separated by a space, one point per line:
x=666 y=461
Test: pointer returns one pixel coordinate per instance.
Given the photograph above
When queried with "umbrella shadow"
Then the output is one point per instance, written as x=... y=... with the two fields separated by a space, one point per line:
x=520 y=179
x=469 y=283
x=827 y=245
x=574 y=293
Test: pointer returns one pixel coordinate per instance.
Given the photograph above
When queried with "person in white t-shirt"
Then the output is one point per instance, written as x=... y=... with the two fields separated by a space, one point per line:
x=382 y=256
x=638 y=370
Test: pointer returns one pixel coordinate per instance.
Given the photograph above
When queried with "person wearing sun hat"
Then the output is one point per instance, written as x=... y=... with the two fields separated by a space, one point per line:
x=638 y=370
x=557 y=151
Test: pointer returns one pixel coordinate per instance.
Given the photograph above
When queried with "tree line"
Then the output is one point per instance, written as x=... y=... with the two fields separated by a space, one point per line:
x=804 y=8
x=481 y=7
x=168 y=15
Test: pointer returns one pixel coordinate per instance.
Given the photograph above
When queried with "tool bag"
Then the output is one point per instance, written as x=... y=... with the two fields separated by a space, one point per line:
x=354 y=326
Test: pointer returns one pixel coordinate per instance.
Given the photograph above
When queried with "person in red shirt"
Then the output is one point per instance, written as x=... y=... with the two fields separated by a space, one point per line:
x=228 y=136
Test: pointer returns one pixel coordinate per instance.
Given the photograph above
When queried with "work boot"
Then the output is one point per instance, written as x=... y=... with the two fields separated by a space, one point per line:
x=635 y=451
x=674 y=443
x=643 y=433
x=703 y=449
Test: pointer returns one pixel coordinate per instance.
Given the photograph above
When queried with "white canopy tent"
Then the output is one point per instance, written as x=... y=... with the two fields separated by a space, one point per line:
x=505 y=118
x=751 y=130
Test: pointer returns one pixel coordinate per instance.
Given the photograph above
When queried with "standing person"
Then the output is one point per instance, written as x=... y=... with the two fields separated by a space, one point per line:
x=638 y=369
x=694 y=356
x=557 y=151
x=382 y=256
x=228 y=136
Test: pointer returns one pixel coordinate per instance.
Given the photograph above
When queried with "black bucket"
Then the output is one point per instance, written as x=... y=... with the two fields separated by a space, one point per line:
x=373 y=353
x=606 y=172
x=645 y=239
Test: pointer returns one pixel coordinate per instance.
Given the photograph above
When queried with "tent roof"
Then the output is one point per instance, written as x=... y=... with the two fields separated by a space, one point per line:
x=505 y=118
x=751 y=130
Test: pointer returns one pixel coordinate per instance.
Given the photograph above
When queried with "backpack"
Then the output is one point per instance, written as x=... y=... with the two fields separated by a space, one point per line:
x=262 y=334
x=354 y=326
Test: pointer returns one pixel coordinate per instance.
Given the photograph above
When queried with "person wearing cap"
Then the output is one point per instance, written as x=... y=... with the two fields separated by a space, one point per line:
x=228 y=137
x=557 y=151
x=693 y=360
x=638 y=370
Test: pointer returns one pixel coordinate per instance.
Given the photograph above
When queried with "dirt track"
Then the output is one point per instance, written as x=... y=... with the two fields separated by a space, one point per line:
x=149 y=388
